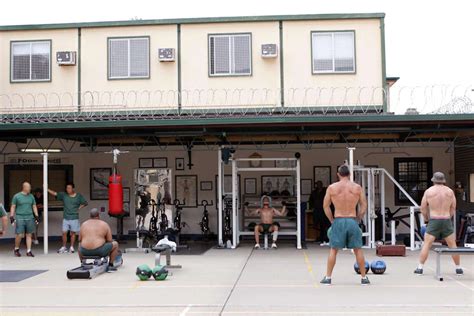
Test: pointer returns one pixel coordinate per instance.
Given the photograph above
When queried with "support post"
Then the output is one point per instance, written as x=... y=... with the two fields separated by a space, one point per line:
x=298 y=204
x=393 y=233
x=370 y=207
x=45 y=202
x=382 y=203
x=351 y=162
x=220 y=241
x=234 y=205
x=412 y=228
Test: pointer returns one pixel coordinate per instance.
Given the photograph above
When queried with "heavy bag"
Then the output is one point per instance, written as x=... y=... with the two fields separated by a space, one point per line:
x=115 y=195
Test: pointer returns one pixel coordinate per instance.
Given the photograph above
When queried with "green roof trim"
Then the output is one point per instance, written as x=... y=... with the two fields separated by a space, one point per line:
x=236 y=121
x=230 y=19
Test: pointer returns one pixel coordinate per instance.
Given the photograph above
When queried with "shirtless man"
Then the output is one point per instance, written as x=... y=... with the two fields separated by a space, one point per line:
x=95 y=238
x=345 y=231
x=267 y=225
x=437 y=207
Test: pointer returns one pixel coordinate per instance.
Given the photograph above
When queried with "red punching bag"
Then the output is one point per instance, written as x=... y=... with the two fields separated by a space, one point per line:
x=115 y=195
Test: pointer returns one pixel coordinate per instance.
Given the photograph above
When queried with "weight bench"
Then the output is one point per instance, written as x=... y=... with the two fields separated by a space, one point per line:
x=167 y=251
x=449 y=251
x=91 y=269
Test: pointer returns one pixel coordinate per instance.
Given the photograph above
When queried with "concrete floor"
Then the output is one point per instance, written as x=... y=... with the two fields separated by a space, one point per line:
x=238 y=282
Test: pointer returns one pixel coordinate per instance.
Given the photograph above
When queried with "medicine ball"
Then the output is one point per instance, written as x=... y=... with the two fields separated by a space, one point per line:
x=357 y=270
x=329 y=232
x=143 y=272
x=159 y=273
x=378 y=267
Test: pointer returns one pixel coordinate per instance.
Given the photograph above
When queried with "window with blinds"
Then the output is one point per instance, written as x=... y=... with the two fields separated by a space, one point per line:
x=230 y=55
x=129 y=58
x=333 y=52
x=31 y=61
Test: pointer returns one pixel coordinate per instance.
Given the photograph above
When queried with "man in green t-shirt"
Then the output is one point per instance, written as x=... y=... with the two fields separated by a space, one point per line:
x=24 y=215
x=73 y=202
x=4 y=218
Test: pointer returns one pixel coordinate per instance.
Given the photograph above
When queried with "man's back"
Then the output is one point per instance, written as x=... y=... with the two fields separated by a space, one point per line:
x=440 y=199
x=345 y=196
x=94 y=233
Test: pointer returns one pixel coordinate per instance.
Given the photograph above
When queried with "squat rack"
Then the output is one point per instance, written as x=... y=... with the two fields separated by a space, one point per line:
x=236 y=229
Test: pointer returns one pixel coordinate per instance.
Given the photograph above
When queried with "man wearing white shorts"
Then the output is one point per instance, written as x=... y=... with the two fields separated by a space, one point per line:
x=73 y=202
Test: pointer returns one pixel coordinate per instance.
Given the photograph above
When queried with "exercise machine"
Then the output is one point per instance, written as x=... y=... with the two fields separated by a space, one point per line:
x=204 y=223
x=92 y=266
x=290 y=165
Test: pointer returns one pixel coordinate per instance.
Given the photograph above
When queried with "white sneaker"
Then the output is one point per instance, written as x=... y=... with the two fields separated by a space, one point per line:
x=323 y=244
x=36 y=242
x=257 y=246
x=62 y=250
x=274 y=246
x=71 y=249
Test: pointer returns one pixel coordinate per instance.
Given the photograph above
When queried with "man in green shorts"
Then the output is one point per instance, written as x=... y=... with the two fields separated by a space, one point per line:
x=24 y=215
x=4 y=217
x=438 y=206
x=345 y=231
x=95 y=238
x=73 y=202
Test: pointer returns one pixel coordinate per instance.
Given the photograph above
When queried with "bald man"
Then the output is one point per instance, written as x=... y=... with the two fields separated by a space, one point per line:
x=95 y=239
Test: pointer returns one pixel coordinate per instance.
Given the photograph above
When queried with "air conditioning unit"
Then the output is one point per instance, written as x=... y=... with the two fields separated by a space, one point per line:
x=166 y=54
x=269 y=50
x=66 y=58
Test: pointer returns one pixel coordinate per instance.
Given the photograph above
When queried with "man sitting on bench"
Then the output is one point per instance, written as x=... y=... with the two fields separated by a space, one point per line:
x=267 y=225
x=438 y=206
x=95 y=238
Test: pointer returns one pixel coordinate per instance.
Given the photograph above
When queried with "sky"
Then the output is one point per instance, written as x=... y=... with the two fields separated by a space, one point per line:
x=427 y=42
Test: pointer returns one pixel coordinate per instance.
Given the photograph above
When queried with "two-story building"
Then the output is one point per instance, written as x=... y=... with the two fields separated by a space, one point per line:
x=171 y=92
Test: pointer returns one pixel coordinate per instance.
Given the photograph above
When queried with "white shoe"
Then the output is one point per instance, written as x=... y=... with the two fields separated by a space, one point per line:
x=274 y=246
x=62 y=250
x=324 y=244
x=257 y=246
x=36 y=242
x=71 y=249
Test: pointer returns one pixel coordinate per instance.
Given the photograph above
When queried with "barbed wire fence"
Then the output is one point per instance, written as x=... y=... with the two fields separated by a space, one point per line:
x=126 y=104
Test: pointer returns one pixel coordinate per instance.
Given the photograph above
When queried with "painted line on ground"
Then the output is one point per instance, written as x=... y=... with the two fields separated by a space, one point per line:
x=185 y=311
x=457 y=281
x=310 y=270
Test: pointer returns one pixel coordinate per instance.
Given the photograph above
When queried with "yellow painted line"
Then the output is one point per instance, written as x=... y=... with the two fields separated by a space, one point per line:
x=310 y=269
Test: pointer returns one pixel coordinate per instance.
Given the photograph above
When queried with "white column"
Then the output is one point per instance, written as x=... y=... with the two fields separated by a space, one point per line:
x=45 y=202
x=382 y=202
x=235 y=221
x=298 y=204
x=351 y=162
x=219 y=197
x=393 y=233
x=370 y=206
x=412 y=228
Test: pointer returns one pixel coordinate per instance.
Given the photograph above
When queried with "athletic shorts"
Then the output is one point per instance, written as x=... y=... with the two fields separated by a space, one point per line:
x=102 y=251
x=25 y=226
x=440 y=228
x=71 y=225
x=345 y=233
x=266 y=227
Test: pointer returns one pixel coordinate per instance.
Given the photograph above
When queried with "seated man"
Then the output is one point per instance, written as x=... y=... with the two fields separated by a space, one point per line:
x=267 y=225
x=95 y=239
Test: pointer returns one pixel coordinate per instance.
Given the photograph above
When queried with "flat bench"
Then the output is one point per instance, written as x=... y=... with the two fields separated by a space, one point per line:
x=449 y=251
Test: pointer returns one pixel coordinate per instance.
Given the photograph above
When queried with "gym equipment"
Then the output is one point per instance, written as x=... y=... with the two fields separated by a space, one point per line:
x=329 y=233
x=378 y=267
x=205 y=230
x=423 y=231
x=229 y=220
x=115 y=187
x=143 y=272
x=178 y=224
x=449 y=251
x=159 y=273
x=357 y=270
x=165 y=248
x=466 y=232
x=93 y=268
x=390 y=250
